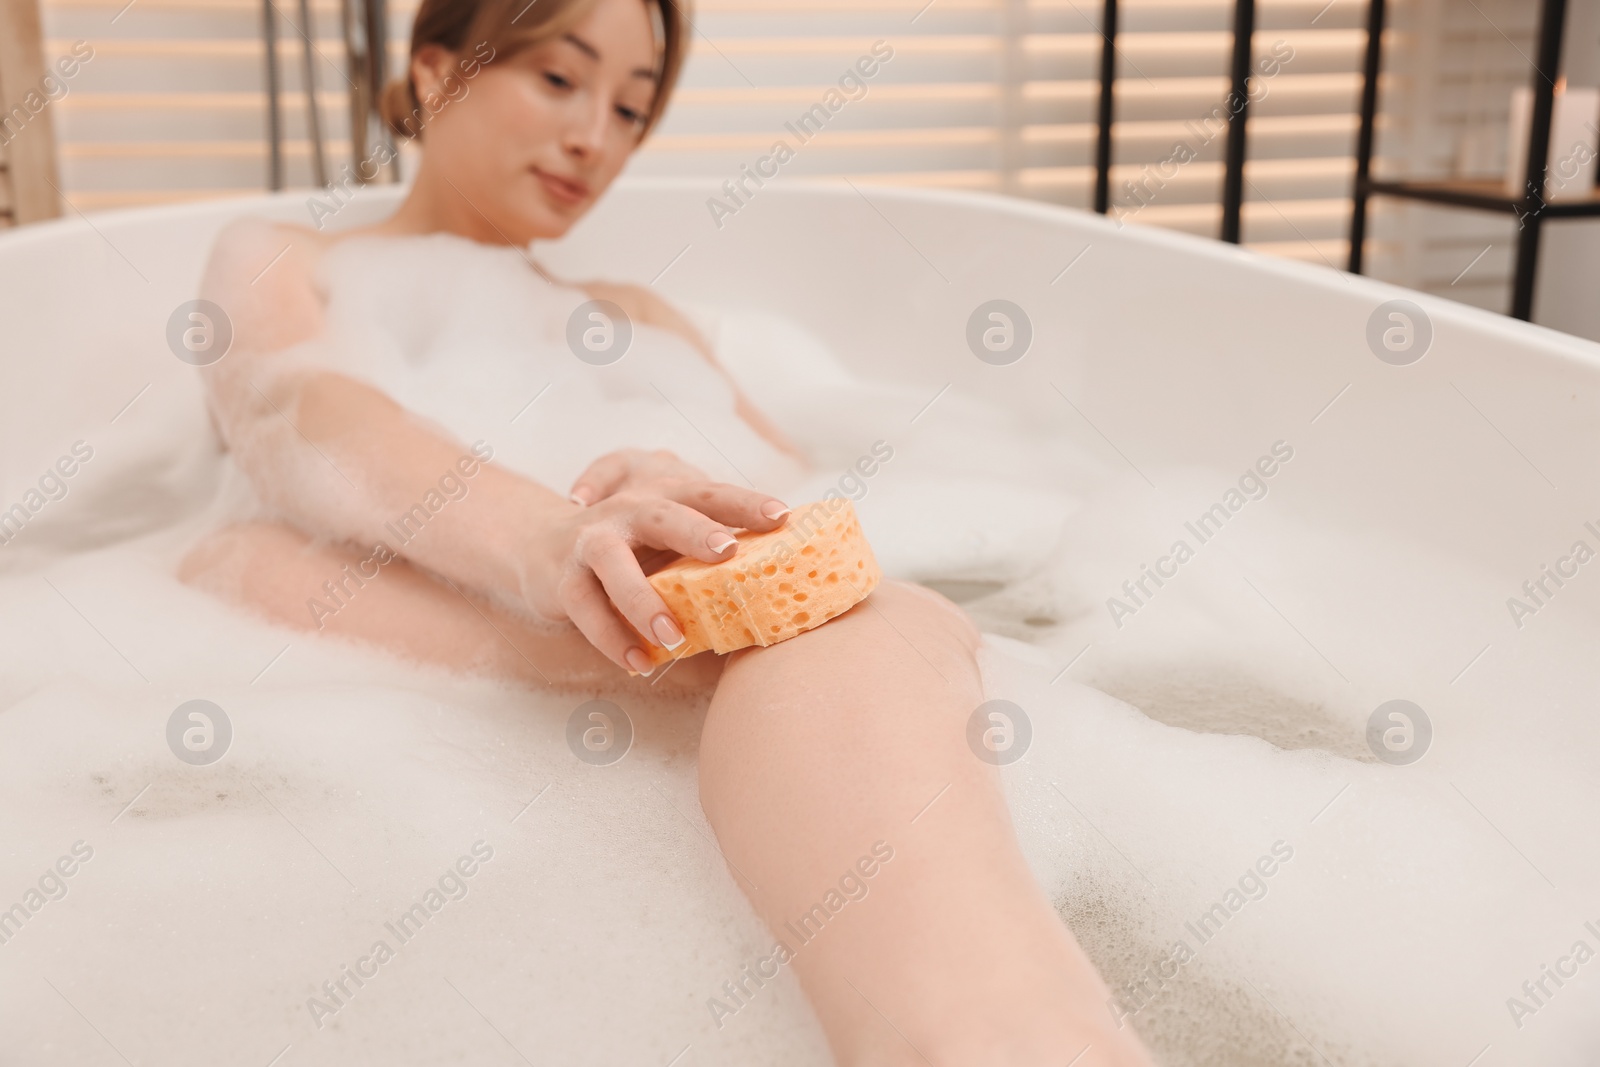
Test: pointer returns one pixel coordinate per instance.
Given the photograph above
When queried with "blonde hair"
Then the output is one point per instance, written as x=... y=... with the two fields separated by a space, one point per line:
x=508 y=26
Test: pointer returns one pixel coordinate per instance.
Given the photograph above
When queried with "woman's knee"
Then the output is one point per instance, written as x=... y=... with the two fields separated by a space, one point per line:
x=226 y=557
x=268 y=566
x=945 y=610
x=904 y=653
x=902 y=644
x=898 y=624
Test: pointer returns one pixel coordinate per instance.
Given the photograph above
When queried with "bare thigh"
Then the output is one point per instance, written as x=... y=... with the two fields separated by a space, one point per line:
x=878 y=846
x=843 y=743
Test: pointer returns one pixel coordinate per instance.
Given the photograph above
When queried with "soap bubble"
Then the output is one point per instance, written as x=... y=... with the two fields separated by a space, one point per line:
x=199 y=332
x=1399 y=732
x=599 y=733
x=199 y=732
x=999 y=732
x=999 y=332
x=599 y=332
x=1399 y=332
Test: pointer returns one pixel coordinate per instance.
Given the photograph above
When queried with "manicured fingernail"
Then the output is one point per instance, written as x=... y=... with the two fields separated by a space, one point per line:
x=638 y=661
x=666 y=631
x=579 y=498
x=774 y=509
x=720 y=542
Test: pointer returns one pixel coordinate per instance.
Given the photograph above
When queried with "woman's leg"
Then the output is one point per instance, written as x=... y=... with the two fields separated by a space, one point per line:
x=850 y=738
x=814 y=751
x=277 y=571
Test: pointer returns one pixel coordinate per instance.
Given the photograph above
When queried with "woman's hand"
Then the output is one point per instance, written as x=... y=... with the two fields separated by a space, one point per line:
x=632 y=469
x=589 y=569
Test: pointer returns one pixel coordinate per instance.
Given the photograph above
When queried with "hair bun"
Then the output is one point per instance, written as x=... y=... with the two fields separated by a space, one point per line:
x=398 y=106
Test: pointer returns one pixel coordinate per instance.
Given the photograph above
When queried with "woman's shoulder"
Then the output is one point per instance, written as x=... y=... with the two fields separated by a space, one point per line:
x=248 y=250
x=262 y=274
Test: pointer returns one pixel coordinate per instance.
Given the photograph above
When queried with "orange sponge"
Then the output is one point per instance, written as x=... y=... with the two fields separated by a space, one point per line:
x=777 y=584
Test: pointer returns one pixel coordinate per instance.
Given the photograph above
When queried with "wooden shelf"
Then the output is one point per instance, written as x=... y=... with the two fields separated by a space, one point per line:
x=1531 y=212
x=1484 y=195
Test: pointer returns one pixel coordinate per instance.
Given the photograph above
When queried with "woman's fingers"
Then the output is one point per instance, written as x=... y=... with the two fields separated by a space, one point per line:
x=589 y=607
x=661 y=523
x=731 y=504
x=613 y=563
x=661 y=472
x=603 y=477
x=609 y=598
x=608 y=551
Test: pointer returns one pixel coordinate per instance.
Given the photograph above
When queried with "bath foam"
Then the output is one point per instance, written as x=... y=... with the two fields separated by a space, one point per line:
x=1400 y=927
x=1395 y=936
x=776 y=584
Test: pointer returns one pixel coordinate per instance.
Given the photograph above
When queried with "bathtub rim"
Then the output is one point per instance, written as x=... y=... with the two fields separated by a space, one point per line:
x=1581 y=351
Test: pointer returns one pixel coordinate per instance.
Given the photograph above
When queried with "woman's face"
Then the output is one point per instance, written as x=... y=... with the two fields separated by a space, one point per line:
x=531 y=140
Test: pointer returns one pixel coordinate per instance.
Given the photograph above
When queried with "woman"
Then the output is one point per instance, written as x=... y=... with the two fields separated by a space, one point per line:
x=812 y=749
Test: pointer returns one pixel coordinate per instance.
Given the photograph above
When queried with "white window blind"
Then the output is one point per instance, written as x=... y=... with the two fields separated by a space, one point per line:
x=980 y=94
x=172 y=106
x=1002 y=95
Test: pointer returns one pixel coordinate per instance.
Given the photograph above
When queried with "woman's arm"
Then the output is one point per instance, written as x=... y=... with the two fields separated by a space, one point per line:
x=340 y=460
x=334 y=455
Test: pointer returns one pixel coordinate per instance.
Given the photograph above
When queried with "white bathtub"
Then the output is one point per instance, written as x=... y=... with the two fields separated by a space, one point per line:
x=1419 y=498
